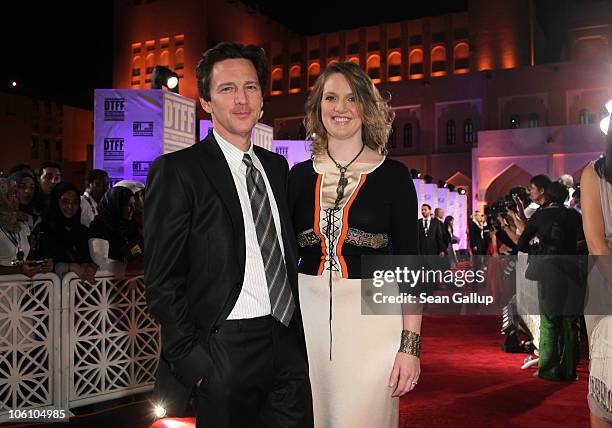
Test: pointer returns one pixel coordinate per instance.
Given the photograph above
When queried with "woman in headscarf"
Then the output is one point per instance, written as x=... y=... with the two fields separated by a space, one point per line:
x=26 y=194
x=61 y=235
x=138 y=189
x=14 y=245
x=114 y=237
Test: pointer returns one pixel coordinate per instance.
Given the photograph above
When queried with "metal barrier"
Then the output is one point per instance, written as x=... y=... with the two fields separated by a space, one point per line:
x=527 y=299
x=30 y=375
x=69 y=344
x=110 y=343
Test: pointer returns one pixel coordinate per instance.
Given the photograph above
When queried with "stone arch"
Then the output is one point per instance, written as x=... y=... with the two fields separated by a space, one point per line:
x=499 y=186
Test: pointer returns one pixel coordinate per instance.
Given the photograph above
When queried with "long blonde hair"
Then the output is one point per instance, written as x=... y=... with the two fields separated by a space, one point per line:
x=375 y=113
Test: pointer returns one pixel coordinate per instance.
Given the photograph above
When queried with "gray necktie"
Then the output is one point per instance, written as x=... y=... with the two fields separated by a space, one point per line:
x=281 y=298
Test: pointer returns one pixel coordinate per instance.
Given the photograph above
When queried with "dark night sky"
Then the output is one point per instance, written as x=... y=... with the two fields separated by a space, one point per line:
x=63 y=53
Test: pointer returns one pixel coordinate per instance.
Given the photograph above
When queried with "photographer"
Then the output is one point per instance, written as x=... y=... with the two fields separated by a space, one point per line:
x=14 y=245
x=558 y=230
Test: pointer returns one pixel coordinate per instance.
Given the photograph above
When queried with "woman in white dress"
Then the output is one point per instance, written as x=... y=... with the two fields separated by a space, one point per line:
x=349 y=201
x=596 y=204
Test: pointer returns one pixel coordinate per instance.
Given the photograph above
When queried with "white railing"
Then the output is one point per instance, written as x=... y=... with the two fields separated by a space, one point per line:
x=527 y=299
x=69 y=344
x=29 y=342
x=111 y=344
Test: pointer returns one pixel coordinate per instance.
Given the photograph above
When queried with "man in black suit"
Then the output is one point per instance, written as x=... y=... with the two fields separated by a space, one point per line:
x=431 y=240
x=478 y=241
x=220 y=265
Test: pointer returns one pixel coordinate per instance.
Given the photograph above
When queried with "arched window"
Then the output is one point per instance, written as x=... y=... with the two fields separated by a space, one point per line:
x=584 y=116
x=394 y=70
x=438 y=61
x=515 y=121
x=277 y=81
x=468 y=131
x=416 y=64
x=150 y=62
x=295 y=81
x=332 y=61
x=408 y=135
x=353 y=59
x=373 y=68
x=462 y=58
x=179 y=59
x=164 y=59
x=136 y=66
x=534 y=120
x=391 y=139
x=47 y=149
x=313 y=72
x=34 y=153
x=58 y=150
x=451 y=132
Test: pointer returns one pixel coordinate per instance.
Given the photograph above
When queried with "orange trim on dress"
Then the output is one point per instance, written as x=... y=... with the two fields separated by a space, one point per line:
x=317 y=219
x=345 y=226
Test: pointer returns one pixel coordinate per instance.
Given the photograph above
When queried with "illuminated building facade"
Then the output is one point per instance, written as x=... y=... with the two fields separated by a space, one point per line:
x=449 y=77
x=35 y=130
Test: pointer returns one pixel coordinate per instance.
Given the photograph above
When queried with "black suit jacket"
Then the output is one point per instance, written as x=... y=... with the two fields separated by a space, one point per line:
x=433 y=243
x=476 y=240
x=195 y=257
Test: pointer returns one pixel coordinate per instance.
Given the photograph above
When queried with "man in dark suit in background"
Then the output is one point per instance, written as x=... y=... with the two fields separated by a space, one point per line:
x=220 y=265
x=478 y=241
x=431 y=240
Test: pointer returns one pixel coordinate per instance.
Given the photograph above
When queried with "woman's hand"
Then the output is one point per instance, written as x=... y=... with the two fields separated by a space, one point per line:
x=29 y=269
x=89 y=273
x=47 y=267
x=405 y=374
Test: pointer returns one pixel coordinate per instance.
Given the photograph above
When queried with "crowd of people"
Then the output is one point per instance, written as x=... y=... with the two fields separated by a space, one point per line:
x=49 y=225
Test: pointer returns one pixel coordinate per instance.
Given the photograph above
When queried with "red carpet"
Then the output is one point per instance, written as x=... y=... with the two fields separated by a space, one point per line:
x=467 y=381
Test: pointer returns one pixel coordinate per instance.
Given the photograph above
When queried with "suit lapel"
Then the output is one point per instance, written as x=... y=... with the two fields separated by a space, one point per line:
x=216 y=168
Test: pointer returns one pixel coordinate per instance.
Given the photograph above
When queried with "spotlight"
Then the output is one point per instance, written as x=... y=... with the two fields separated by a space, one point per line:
x=159 y=411
x=604 y=125
x=462 y=191
x=14 y=84
x=441 y=184
x=415 y=173
x=163 y=76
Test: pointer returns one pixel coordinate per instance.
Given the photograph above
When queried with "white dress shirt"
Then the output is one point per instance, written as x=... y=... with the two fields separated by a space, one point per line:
x=254 y=300
x=530 y=209
x=89 y=209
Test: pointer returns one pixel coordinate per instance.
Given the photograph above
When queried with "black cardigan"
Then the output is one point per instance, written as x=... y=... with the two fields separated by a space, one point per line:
x=386 y=203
